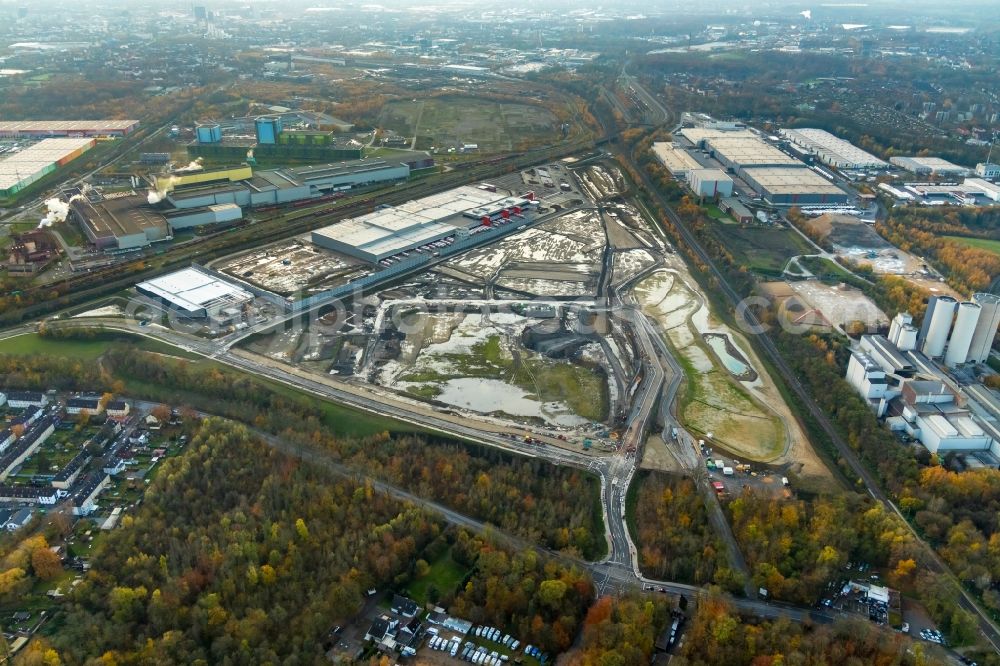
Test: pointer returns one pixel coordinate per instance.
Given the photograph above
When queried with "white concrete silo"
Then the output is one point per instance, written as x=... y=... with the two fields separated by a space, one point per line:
x=986 y=328
x=898 y=322
x=907 y=339
x=961 y=334
x=937 y=324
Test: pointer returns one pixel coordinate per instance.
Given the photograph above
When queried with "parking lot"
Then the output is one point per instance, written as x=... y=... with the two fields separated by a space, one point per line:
x=759 y=478
x=483 y=645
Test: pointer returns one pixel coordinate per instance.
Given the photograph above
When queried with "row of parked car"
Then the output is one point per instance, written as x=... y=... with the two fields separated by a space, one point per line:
x=508 y=641
x=932 y=635
x=494 y=634
x=481 y=655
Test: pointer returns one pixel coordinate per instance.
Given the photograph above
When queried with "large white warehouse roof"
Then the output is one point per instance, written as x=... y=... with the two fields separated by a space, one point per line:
x=23 y=164
x=191 y=290
x=832 y=150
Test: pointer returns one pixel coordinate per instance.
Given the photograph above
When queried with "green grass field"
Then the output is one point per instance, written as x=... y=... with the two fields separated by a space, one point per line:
x=32 y=344
x=824 y=268
x=84 y=350
x=445 y=122
x=764 y=250
x=716 y=213
x=445 y=574
x=980 y=243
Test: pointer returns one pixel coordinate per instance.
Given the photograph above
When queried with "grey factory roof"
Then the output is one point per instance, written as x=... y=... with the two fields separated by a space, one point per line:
x=788 y=180
x=415 y=221
x=322 y=171
x=123 y=216
x=750 y=151
x=918 y=164
x=273 y=179
x=698 y=134
x=190 y=289
x=67 y=125
x=831 y=147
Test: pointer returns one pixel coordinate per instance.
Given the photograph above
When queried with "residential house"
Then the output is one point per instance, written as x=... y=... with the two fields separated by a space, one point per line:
x=69 y=474
x=25 y=399
x=85 y=499
x=30 y=415
x=32 y=438
x=408 y=632
x=7 y=438
x=403 y=606
x=114 y=465
x=28 y=493
x=382 y=628
x=19 y=519
x=118 y=409
x=92 y=403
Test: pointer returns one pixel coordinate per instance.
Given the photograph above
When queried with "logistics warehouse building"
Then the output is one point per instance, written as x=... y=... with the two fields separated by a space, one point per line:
x=832 y=151
x=194 y=294
x=710 y=183
x=21 y=169
x=929 y=166
x=677 y=160
x=397 y=229
x=793 y=186
x=738 y=153
x=76 y=128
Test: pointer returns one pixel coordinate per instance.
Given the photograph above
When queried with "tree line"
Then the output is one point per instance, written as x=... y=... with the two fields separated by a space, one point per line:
x=718 y=635
x=967 y=269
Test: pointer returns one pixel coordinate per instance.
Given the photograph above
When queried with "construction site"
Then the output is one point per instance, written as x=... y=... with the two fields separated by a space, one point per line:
x=510 y=331
x=532 y=330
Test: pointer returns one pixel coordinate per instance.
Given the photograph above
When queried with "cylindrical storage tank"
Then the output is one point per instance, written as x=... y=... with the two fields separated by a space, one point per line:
x=961 y=335
x=986 y=328
x=941 y=311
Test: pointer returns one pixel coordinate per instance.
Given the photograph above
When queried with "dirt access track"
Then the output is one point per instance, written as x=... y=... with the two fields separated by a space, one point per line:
x=749 y=419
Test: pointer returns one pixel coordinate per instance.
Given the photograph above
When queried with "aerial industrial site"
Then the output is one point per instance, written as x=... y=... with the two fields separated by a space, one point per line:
x=410 y=334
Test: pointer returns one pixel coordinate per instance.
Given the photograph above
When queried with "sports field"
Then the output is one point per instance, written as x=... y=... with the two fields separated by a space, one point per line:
x=451 y=122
